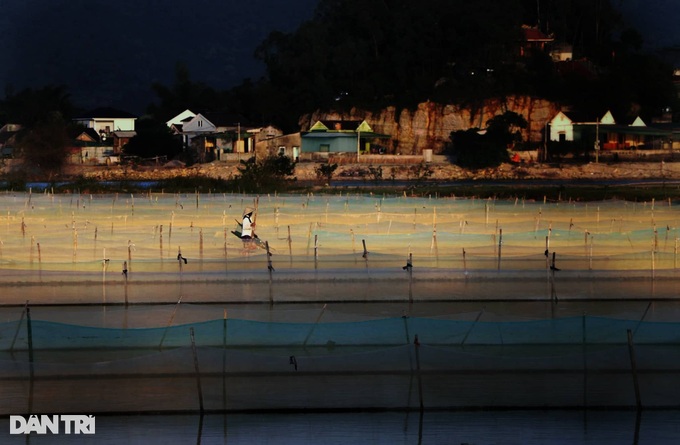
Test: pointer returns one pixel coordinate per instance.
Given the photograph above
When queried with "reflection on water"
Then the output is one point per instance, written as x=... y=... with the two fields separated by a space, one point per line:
x=479 y=427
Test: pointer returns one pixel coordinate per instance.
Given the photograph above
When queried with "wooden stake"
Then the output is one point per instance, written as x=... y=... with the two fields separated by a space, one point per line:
x=198 y=373
x=172 y=317
x=464 y=263
x=633 y=365
x=21 y=319
x=500 y=243
x=416 y=345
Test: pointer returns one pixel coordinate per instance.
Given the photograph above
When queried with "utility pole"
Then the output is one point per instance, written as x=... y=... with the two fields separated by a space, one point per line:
x=597 y=140
x=545 y=142
x=358 y=142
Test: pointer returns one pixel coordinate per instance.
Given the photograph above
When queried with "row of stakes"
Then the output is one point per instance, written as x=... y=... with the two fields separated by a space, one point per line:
x=181 y=259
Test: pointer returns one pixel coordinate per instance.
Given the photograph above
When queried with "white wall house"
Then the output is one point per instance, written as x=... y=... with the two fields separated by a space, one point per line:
x=609 y=134
x=199 y=125
x=214 y=134
x=561 y=128
x=107 y=120
x=181 y=118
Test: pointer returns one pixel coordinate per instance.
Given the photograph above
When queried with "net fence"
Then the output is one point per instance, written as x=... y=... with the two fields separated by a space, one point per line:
x=235 y=333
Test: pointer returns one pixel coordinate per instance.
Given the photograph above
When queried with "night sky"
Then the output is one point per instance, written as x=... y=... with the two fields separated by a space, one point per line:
x=108 y=53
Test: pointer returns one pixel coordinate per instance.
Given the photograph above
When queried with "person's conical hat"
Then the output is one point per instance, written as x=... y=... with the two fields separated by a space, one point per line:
x=247 y=211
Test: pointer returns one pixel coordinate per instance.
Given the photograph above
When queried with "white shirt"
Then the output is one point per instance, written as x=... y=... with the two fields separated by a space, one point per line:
x=247 y=229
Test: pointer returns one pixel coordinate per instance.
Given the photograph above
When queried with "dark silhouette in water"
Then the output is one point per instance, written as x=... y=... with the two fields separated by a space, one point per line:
x=552 y=266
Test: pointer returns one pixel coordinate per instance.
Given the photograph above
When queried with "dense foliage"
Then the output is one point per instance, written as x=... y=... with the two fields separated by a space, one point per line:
x=270 y=174
x=44 y=147
x=476 y=148
x=153 y=139
x=30 y=106
x=397 y=52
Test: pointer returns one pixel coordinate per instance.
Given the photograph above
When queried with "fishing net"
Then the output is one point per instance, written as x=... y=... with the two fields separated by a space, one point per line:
x=256 y=365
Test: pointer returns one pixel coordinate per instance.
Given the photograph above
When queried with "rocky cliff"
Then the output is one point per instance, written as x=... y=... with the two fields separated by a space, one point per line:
x=430 y=125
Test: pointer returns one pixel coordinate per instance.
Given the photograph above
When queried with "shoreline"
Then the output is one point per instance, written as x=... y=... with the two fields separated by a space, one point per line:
x=305 y=171
x=634 y=181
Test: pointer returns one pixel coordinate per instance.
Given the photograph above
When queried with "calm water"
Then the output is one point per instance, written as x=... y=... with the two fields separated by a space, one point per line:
x=473 y=260
x=465 y=426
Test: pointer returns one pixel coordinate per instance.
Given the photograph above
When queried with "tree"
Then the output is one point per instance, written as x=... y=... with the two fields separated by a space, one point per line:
x=184 y=94
x=271 y=174
x=474 y=148
x=325 y=171
x=355 y=53
x=506 y=129
x=29 y=107
x=44 y=147
x=153 y=139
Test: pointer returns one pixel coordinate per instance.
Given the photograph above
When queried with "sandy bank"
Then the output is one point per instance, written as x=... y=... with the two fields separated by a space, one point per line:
x=306 y=171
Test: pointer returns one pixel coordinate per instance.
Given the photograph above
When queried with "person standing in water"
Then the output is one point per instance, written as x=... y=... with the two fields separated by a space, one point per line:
x=248 y=225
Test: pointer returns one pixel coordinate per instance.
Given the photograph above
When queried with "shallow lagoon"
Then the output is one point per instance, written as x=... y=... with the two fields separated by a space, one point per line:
x=475 y=261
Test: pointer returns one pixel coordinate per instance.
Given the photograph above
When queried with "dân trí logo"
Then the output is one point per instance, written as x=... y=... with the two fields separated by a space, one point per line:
x=52 y=424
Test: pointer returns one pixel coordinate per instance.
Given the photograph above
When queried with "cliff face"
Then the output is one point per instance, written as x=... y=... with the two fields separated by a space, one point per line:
x=430 y=125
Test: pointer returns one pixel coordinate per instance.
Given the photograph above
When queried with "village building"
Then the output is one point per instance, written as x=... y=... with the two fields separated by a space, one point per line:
x=534 y=40
x=105 y=132
x=210 y=136
x=8 y=140
x=107 y=120
x=341 y=136
x=176 y=125
x=606 y=134
x=270 y=141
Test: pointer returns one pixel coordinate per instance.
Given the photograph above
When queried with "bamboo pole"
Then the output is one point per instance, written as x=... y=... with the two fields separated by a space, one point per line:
x=416 y=345
x=167 y=326
x=316 y=322
x=21 y=319
x=633 y=365
x=198 y=372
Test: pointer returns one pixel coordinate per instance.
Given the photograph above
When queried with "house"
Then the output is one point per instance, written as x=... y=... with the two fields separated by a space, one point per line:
x=341 y=136
x=182 y=117
x=8 y=140
x=606 y=132
x=120 y=140
x=534 y=40
x=86 y=135
x=214 y=134
x=270 y=141
x=562 y=52
x=176 y=125
x=107 y=120
x=90 y=147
